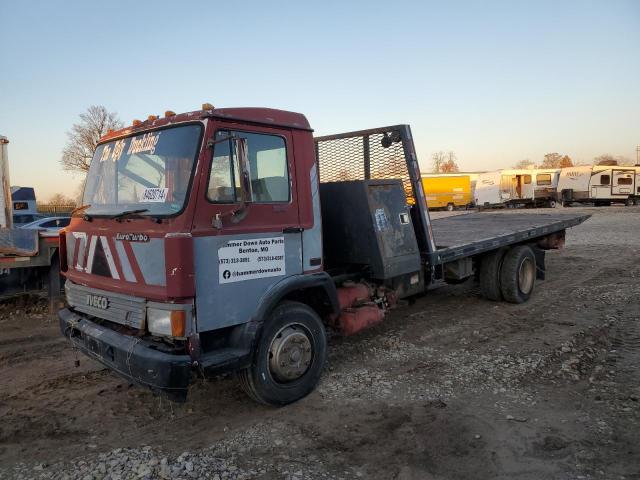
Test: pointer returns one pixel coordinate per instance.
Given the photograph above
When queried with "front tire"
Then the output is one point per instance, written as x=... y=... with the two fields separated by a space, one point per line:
x=518 y=274
x=289 y=358
x=450 y=207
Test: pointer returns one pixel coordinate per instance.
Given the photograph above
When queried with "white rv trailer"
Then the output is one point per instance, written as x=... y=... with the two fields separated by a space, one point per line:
x=516 y=187
x=600 y=184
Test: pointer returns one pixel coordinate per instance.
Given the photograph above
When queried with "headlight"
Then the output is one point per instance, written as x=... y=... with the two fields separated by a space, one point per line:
x=172 y=323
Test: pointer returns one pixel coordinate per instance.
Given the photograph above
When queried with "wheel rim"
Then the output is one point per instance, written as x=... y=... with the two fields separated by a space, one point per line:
x=290 y=353
x=526 y=275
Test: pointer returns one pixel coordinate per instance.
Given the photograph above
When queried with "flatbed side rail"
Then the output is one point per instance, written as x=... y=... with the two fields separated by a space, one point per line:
x=379 y=153
x=449 y=254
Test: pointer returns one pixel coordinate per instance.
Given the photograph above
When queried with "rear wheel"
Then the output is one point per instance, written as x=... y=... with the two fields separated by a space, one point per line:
x=629 y=202
x=288 y=361
x=489 y=277
x=518 y=274
x=450 y=207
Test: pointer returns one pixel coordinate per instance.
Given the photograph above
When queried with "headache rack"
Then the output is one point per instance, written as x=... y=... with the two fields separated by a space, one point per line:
x=379 y=153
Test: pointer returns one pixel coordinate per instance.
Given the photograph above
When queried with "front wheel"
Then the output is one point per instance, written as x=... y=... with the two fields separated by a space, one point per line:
x=288 y=361
x=450 y=207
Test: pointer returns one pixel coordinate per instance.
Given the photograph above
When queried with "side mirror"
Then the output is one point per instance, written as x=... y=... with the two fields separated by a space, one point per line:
x=241 y=150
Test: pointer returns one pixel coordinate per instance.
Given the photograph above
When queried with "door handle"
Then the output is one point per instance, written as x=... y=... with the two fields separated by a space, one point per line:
x=292 y=230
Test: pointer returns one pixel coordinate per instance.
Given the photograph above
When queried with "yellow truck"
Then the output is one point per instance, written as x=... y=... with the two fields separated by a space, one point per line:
x=448 y=190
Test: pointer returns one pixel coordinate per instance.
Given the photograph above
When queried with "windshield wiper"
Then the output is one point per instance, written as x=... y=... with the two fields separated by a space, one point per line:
x=126 y=213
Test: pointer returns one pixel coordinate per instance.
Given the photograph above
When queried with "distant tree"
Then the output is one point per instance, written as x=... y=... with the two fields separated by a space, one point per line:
x=83 y=137
x=61 y=199
x=566 y=162
x=605 y=159
x=445 y=163
x=626 y=161
x=555 y=160
x=438 y=159
x=524 y=164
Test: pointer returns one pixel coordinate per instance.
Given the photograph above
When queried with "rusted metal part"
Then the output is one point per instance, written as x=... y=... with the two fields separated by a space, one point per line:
x=553 y=241
x=354 y=320
x=352 y=293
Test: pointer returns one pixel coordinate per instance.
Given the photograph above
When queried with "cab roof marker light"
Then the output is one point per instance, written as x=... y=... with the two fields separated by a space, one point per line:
x=137 y=123
x=169 y=113
x=152 y=118
x=207 y=106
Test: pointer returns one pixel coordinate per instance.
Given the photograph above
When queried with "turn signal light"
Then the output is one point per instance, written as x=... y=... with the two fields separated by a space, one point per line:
x=178 y=323
x=207 y=106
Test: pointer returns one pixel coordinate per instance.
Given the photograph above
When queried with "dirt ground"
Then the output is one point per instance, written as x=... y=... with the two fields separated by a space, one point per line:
x=451 y=386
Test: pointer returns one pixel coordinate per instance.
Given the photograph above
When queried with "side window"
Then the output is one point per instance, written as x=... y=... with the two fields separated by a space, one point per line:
x=267 y=157
x=223 y=183
x=269 y=172
x=625 y=181
x=543 y=179
x=605 y=179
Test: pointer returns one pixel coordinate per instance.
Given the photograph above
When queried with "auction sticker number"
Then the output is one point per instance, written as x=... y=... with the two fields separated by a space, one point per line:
x=249 y=259
x=154 y=195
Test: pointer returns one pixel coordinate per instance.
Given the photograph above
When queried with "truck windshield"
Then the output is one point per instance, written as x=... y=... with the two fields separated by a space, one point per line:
x=149 y=171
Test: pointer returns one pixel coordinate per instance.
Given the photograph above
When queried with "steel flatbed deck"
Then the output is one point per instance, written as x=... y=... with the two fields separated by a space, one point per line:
x=461 y=236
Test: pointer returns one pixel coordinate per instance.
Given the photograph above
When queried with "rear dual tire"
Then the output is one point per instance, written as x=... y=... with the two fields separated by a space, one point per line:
x=518 y=274
x=508 y=274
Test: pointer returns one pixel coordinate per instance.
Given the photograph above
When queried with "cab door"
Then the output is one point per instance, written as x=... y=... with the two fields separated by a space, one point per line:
x=242 y=251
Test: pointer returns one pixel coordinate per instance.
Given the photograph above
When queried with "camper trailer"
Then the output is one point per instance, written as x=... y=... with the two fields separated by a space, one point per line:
x=522 y=187
x=600 y=185
x=449 y=190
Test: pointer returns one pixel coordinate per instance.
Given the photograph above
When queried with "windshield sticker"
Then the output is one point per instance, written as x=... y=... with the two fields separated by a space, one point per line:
x=249 y=259
x=145 y=144
x=154 y=195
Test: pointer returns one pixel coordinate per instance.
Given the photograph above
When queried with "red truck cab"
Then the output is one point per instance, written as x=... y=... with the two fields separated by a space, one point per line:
x=191 y=233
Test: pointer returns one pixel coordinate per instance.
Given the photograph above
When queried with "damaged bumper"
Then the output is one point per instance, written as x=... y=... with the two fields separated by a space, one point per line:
x=131 y=357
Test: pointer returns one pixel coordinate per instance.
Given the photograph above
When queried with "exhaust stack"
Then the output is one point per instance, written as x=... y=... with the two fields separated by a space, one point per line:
x=6 y=205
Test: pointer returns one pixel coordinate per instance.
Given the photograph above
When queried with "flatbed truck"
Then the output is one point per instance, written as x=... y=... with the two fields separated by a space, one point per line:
x=231 y=240
x=28 y=258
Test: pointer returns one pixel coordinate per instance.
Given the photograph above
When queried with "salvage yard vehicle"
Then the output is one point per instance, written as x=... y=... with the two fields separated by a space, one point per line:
x=520 y=187
x=28 y=258
x=449 y=190
x=230 y=240
x=599 y=184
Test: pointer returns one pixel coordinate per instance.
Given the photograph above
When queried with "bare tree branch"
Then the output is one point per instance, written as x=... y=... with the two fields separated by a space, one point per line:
x=83 y=137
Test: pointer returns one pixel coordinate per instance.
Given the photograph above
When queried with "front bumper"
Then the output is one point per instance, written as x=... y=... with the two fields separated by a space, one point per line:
x=130 y=357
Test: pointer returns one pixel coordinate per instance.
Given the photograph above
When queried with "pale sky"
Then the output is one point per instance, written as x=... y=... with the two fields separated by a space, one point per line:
x=494 y=81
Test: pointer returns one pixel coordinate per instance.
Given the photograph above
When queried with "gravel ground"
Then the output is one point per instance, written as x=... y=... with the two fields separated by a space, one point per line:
x=450 y=386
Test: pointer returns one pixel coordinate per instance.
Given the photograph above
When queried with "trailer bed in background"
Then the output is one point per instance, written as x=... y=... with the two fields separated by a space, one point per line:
x=461 y=236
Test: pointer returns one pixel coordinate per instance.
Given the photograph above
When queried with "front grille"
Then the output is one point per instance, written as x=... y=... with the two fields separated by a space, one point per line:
x=122 y=309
